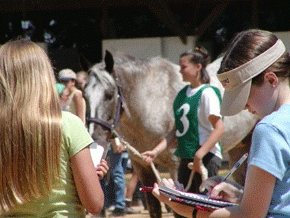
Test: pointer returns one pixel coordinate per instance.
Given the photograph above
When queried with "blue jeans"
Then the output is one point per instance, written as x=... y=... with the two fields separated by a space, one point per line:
x=115 y=189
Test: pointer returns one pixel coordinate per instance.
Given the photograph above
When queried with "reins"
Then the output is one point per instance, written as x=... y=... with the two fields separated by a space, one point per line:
x=121 y=101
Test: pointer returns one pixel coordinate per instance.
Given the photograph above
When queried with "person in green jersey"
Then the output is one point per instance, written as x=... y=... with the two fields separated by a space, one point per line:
x=198 y=123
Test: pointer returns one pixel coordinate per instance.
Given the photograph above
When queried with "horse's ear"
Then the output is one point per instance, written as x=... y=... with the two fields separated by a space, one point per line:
x=109 y=61
x=84 y=62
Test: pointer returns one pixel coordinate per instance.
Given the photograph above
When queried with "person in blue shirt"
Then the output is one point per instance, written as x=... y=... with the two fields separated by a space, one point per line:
x=255 y=73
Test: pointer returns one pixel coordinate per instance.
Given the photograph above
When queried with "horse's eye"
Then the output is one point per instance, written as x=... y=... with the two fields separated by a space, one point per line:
x=109 y=94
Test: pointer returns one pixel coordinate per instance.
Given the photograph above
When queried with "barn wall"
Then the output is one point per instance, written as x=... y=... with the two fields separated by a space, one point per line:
x=167 y=47
x=285 y=37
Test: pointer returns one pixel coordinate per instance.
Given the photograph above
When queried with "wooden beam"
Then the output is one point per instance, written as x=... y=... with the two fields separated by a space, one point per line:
x=254 y=12
x=197 y=4
x=162 y=11
x=105 y=24
x=216 y=12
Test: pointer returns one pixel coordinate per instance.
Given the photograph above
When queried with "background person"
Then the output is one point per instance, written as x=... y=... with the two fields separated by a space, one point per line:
x=113 y=184
x=63 y=94
x=48 y=169
x=196 y=103
x=82 y=78
x=130 y=189
x=76 y=104
x=255 y=72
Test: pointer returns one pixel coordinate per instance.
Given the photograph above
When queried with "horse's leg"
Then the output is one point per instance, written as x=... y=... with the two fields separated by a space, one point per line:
x=148 y=178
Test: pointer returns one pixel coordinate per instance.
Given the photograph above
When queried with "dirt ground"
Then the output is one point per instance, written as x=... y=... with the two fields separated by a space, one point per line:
x=143 y=214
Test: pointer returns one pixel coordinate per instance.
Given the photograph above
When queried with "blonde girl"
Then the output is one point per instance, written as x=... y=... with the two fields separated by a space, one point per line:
x=46 y=168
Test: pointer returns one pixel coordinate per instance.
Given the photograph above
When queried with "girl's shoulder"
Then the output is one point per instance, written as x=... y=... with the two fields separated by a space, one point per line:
x=77 y=94
x=69 y=118
x=211 y=91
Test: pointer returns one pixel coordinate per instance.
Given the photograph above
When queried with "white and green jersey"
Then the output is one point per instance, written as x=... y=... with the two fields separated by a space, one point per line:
x=192 y=108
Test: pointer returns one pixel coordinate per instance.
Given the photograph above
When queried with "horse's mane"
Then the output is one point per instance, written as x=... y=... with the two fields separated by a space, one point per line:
x=132 y=65
x=133 y=68
x=98 y=71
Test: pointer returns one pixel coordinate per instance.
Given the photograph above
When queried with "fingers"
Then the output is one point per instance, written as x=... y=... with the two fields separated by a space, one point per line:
x=104 y=164
x=149 y=154
x=148 y=157
x=158 y=195
x=155 y=190
x=167 y=182
x=146 y=153
x=102 y=169
x=218 y=191
x=120 y=148
x=226 y=192
x=171 y=181
x=211 y=182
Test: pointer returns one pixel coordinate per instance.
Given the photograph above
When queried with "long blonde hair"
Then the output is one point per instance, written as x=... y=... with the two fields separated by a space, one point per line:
x=30 y=124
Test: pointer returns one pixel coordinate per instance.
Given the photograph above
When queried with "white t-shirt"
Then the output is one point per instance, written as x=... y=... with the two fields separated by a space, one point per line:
x=209 y=105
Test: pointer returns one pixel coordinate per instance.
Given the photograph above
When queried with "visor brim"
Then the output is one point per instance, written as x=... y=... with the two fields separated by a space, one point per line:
x=236 y=100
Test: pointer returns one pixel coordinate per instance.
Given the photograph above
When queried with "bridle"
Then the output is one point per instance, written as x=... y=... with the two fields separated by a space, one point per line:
x=120 y=105
x=114 y=133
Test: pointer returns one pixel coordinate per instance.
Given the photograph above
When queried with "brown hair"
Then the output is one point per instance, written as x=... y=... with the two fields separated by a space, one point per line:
x=247 y=45
x=30 y=123
x=199 y=56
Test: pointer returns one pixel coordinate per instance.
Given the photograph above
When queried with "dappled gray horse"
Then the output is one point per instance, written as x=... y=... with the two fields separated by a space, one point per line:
x=147 y=89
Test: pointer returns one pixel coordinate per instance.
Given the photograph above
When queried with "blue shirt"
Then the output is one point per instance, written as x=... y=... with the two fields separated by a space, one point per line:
x=270 y=151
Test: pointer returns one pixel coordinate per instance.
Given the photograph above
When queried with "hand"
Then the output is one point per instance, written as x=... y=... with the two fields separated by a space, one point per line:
x=149 y=156
x=120 y=148
x=117 y=146
x=227 y=190
x=158 y=194
x=102 y=168
x=197 y=164
x=204 y=175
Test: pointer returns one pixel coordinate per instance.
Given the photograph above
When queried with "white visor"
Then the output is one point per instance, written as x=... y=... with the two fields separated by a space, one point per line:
x=237 y=82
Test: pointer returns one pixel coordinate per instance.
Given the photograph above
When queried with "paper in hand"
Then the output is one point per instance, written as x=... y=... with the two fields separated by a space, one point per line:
x=96 y=153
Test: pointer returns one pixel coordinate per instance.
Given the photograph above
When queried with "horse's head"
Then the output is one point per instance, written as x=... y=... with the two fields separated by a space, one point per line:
x=102 y=94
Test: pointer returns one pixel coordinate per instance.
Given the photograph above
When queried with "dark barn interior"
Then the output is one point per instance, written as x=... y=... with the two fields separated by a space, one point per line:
x=71 y=27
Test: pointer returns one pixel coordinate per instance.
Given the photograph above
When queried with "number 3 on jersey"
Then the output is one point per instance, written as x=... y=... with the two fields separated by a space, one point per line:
x=184 y=120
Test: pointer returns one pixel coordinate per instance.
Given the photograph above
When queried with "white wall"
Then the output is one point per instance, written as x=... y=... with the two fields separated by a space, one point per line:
x=173 y=47
x=285 y=37
x=167 y=47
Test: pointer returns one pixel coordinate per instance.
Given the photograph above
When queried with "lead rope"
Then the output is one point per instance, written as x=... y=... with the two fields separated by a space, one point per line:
x=136 y=153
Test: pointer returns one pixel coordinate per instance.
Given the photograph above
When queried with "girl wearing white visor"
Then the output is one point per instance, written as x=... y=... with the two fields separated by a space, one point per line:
x=255 y=73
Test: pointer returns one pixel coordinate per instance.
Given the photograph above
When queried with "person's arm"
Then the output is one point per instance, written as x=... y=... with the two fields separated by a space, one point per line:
x=149 y=156
x=224 y=190
x=213 y=138
x=87 y=181
x=181 y=209
x=256 y=199
x=78 y=101
x=255 y=202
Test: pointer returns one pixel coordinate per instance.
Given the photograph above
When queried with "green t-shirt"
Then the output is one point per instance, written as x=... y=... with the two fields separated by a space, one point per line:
x=64 y=200
x=186 y=121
